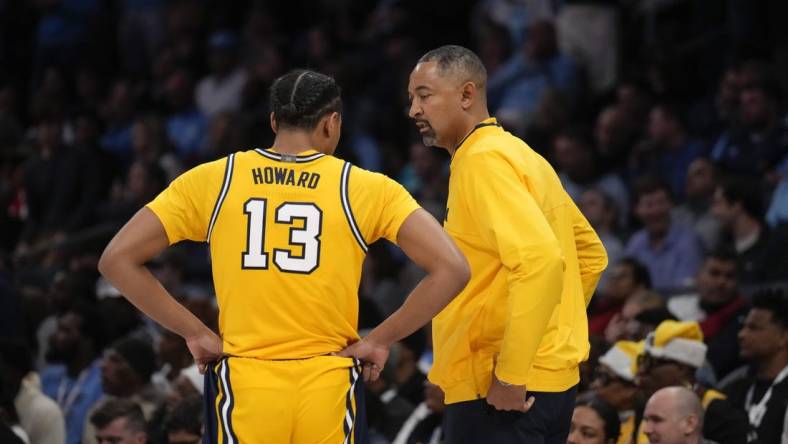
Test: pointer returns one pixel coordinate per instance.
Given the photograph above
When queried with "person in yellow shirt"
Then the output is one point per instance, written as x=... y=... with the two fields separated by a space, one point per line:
x=288 y=228
x=513 y=339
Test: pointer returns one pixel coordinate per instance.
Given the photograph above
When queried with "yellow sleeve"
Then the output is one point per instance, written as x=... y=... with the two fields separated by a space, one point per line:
x=511 y=223
x=591 y=254
x=379 y=204
x=186 y=205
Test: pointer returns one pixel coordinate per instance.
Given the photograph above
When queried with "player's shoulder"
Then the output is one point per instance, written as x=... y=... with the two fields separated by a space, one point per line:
x=364 y=174
x=210 y=168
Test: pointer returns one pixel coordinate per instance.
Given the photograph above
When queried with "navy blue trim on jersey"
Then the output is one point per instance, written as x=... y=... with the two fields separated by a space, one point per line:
x=228 y=176
x=360 y=432
x=210 y=393
x=343 y=191
x=227 y=404
x=480 y=125
x=287 y=157
x=350 y=412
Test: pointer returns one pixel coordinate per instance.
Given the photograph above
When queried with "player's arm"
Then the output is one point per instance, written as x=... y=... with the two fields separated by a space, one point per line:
x=123 y=264
x=425 y=243
x=591 y=254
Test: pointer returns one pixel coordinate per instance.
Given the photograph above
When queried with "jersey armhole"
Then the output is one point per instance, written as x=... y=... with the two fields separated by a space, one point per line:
x=228 y=175
x=343 y=191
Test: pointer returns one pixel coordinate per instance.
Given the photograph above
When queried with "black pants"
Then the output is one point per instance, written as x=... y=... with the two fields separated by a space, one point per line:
x=547 y=422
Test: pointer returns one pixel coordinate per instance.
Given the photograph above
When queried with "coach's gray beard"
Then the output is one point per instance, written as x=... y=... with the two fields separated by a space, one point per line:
x=429 y=139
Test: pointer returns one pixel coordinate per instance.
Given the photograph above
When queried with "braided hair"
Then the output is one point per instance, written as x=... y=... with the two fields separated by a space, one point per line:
x=300 y=98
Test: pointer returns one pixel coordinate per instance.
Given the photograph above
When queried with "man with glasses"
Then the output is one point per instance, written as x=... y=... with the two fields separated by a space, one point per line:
x=615 y=384
x=672 y=355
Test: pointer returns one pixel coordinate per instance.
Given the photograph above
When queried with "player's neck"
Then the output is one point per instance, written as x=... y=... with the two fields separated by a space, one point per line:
x=293 y=142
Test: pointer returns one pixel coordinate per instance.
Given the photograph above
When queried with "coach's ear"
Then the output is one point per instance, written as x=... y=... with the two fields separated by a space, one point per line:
x=273 y=122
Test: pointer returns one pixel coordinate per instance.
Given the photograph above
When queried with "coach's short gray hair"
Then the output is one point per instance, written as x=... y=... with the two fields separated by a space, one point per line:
x=460 y=61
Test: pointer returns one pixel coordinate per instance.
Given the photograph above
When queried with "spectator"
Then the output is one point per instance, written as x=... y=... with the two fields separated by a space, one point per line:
x=601 y=212
x=60 y=186
x=625 y=326
x=713 y=116
x=738 y=205
x=777 y=214
x=424 y=425
x=407 y=376
x=648 y=320
x=590 y=33
x=119 y=421
x=227 y=133
x=576 y=163
x=187 y=126
x=185 y=424
x=221 y=90
x=39 y=416
x=614 y=384
x=696 y=211
x=10 y=429
x=516 y=90
x=173 y=356
x=141 y=30
x=66 y=290
x=126 y=372
x=762 y=139
x=762 y=389
x=674 y=415
x=594 y=422
x=614 y=134
x=118 y=114
x=424 y=178
x=149 y=140
x=718 y=307
x=391 y=408
x=672 y=355
x=671 y=252
x=626 y=278
x=74 y=378
x=188 y=382
x=91 y=169
x=668 y=151
x=634 y=100
x=143 y=182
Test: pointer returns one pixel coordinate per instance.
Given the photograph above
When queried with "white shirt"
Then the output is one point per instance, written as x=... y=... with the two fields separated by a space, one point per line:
x=39 y=416
x=217 y=95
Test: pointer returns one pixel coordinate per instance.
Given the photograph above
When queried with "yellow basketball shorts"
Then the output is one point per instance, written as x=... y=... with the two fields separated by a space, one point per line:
x=303 y=401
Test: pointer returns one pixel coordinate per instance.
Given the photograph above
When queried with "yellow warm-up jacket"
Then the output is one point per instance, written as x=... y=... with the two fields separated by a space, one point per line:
x=535 y=262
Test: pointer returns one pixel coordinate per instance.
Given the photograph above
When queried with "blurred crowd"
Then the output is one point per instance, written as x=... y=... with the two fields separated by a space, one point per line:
x=665 y=120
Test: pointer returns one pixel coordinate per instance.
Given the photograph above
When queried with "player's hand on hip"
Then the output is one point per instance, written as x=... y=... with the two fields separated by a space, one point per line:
x=205 y=348
x=372 y=355
x=508 y=397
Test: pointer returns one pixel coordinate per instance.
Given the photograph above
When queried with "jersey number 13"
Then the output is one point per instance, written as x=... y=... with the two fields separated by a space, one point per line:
x=307 y=237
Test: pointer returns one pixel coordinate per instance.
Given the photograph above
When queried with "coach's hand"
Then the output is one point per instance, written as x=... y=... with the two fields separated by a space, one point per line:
x=372 y=355
x=508 y=397
x=205 y=348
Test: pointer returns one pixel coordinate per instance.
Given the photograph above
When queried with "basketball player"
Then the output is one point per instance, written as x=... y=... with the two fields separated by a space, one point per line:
x=288 y=228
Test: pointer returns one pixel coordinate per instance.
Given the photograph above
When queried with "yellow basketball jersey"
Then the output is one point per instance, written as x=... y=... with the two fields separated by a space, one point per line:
x=288 y=235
